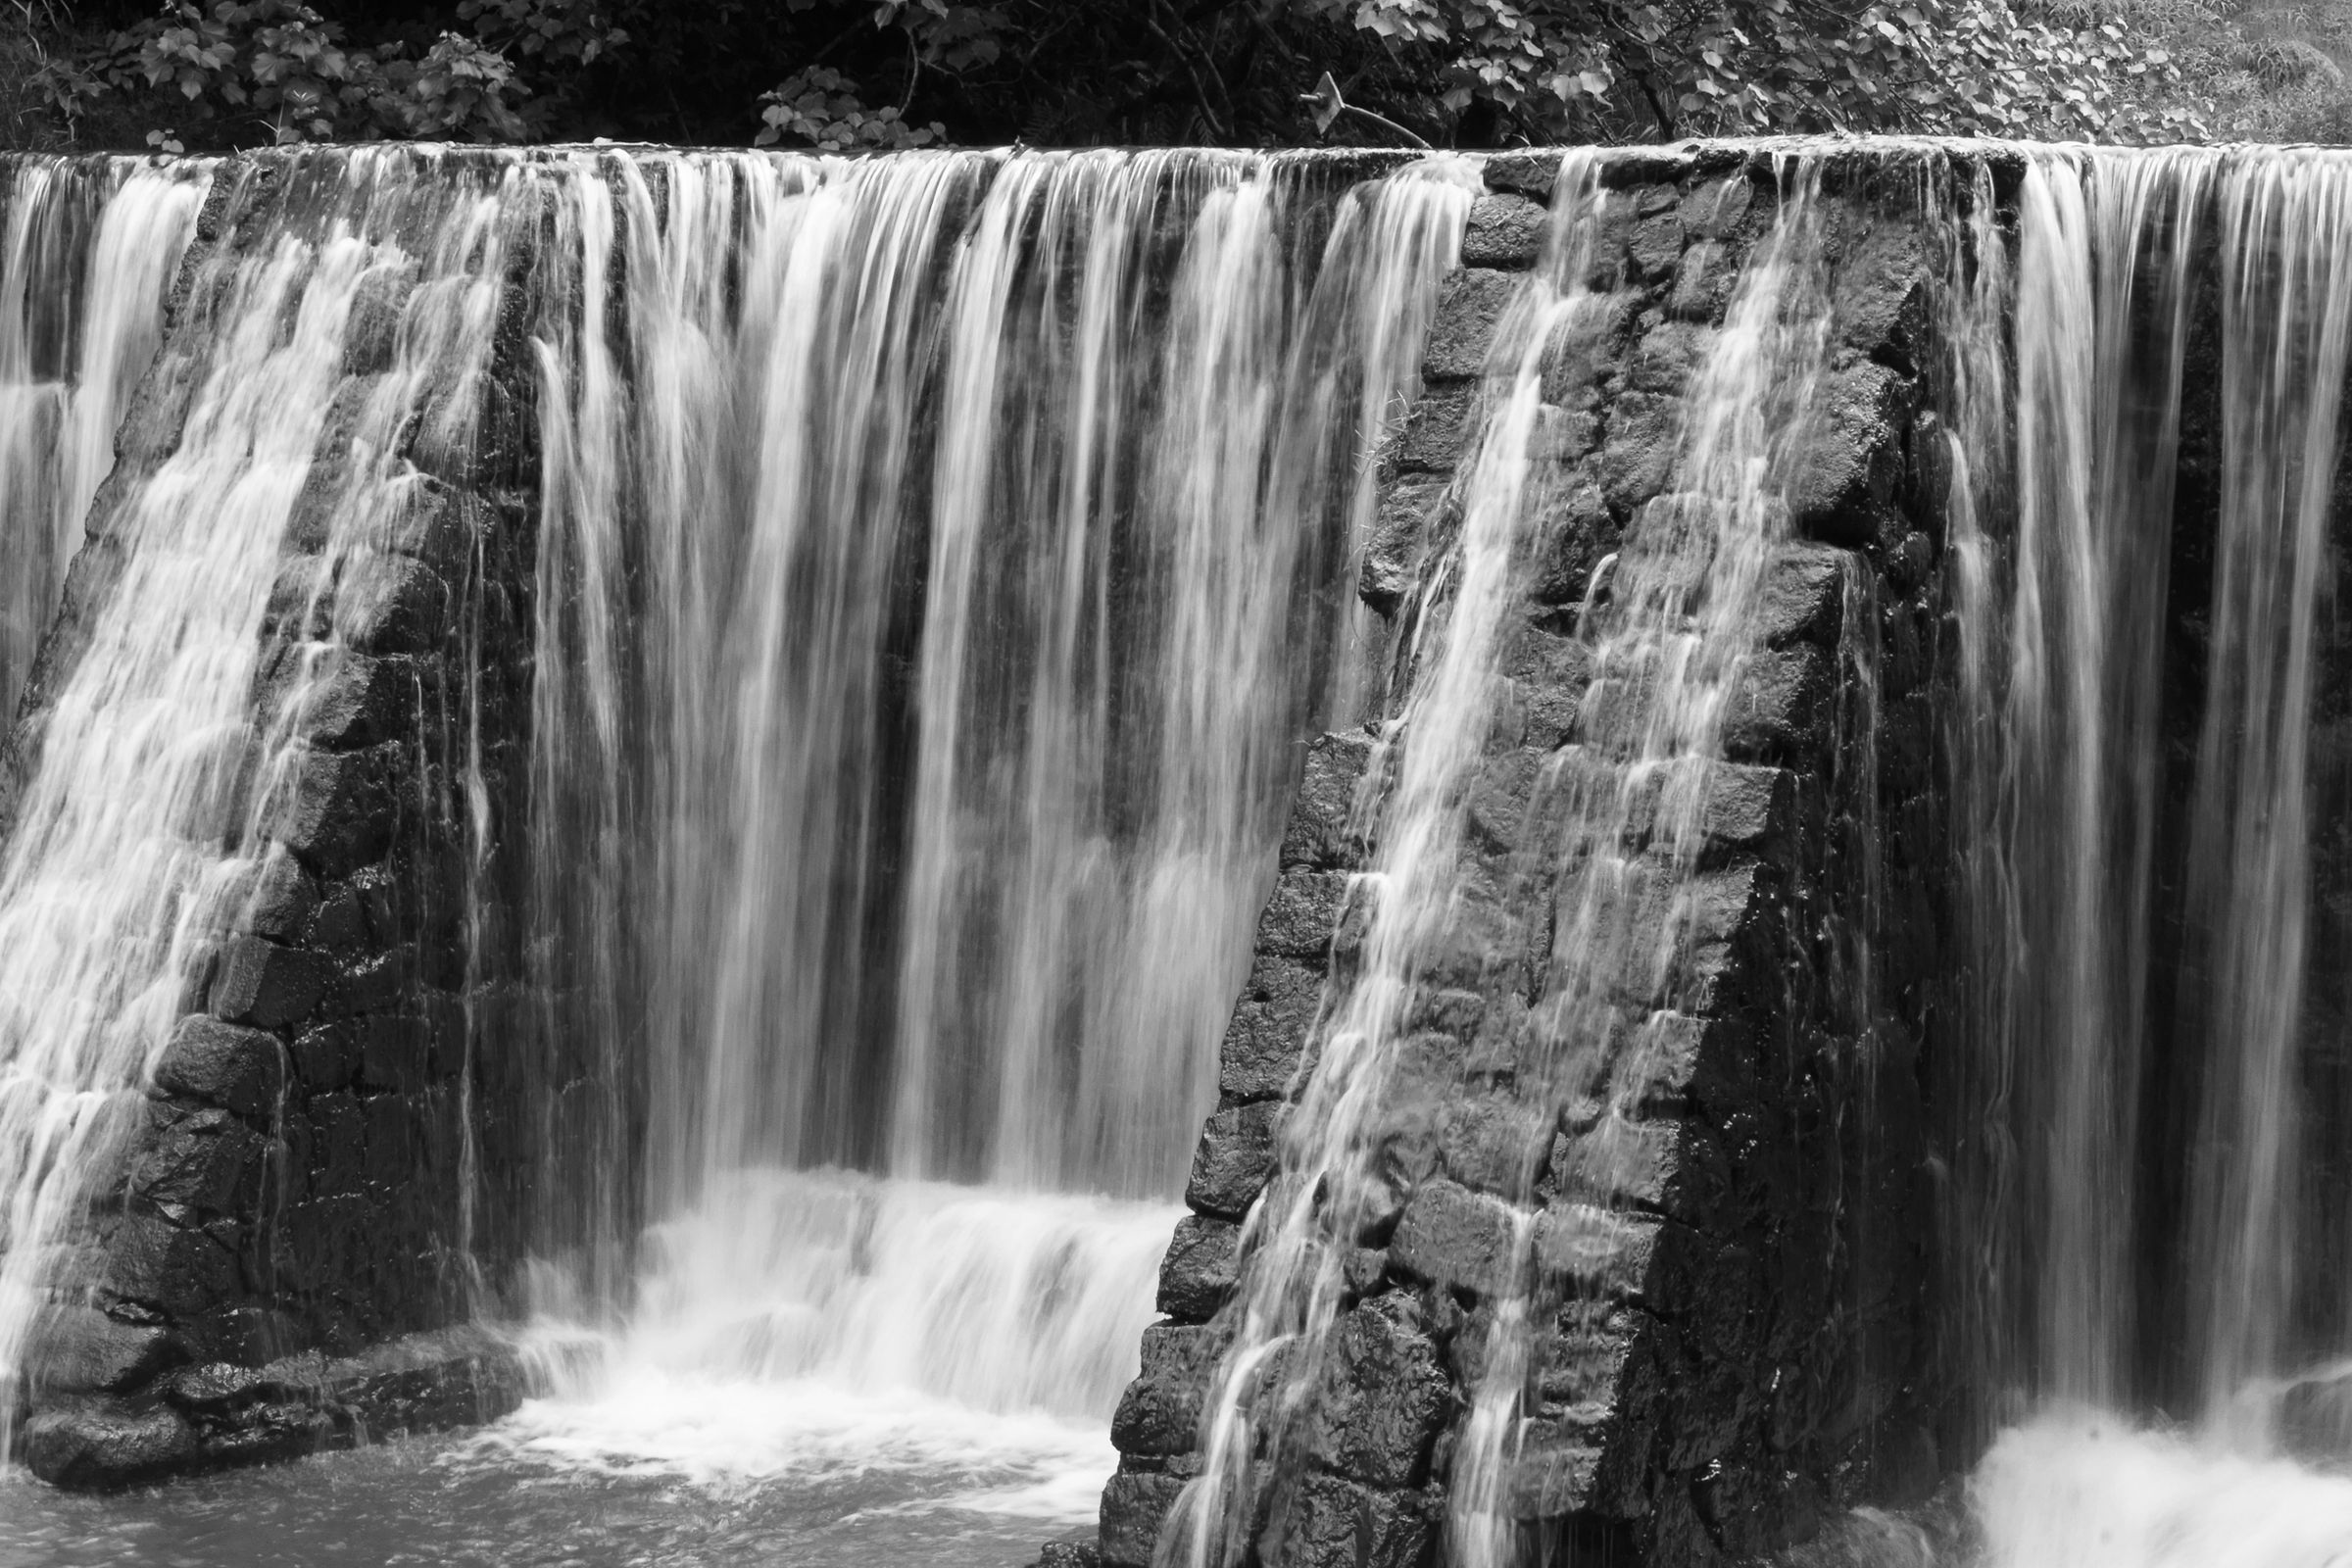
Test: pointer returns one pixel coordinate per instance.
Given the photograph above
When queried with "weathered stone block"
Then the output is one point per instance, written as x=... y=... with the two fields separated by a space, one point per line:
x=341 y=813
x=1530 y=173
x=1882 y=299
x=1721 y=957
x=157 y=415
x=341 y=922
x=1550 y=673
x=1135 y=1506
x=1383 y=1398
x=1671 y=1060
x=353 y=700
x=209 y=1386
x=1235 y=1157
x=1752 y=811
x=1320 y=832
x=1578 y=532
x=224 y=1064
x=1452 y=1237
x=1431 y=439
x=1645 y=430
x=1780 y=709
x=1605 y=1255
x=1804 y=596
x=1160 y=1412
x=1853 y=458
x=79 y=1349
x=1494 y=1142
x=278 y=900
x=1670 y=355
x=1336 y=1523
x=1393 y=556
x=395 y=1053
x=373 y=982
x=1482 y=939
x=200 y=1163
x=1301 y=917
x=1562 y=436
x=1589 y=344
x=1656 y=245
x=257 y=982
x=328 y=1057
x=1551 y=1480
x=302 y=601
x=1203 y=1265
x=373 y=331
x=1470 y=304
x=432 y=523
x=1671 y=1167
x=1077 y=1552
x=1499 y=791
x=1717 y=209
x=103 y=1445
x=1702 y=282
x=156 y=1263
x=1269 y=1028
x=402 y=606
x=395 y=1132
x=1505 y=231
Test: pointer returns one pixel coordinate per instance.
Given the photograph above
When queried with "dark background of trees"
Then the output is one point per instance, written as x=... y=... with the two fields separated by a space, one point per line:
x=200 y=75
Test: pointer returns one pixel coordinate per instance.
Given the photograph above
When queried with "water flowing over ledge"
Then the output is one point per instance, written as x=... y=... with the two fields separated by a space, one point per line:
x=677 y=752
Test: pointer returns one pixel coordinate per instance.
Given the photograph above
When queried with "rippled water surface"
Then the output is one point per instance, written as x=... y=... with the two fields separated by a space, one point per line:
x=666 y=1475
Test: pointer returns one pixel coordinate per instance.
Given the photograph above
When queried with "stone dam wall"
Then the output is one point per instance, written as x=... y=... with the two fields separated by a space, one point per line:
x=1754 y=1350
x=287 y=1262
x=333 y=1151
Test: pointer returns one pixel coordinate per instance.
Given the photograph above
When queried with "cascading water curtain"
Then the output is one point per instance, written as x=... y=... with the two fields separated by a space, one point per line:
x=940 y=560
x=161 y=770
x=2144 y=653
x=88 y=255
x=2062 y=492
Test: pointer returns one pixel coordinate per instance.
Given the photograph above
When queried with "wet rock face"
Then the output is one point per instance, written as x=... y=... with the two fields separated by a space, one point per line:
x=224 y=1414
x=1733 y=1341
x=291 y=1185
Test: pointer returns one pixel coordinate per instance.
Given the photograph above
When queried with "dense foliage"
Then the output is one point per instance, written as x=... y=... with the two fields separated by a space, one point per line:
x=880 y=73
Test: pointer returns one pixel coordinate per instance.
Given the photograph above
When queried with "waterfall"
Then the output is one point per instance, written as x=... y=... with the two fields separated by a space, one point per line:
x=2145 y=852
x=940 y=557
x=161 y=807
x=693 y=740
x=91 y=251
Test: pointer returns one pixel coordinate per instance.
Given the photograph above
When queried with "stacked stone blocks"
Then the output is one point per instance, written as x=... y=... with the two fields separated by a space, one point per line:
x=1729 y=1202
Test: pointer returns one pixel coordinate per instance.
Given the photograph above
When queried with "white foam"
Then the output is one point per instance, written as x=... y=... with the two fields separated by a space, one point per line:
x=2076 y=1489
x=823 y=1326
x=730 y=1436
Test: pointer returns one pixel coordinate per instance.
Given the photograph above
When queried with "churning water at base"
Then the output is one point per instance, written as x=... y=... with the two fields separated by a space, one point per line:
x=482 y=1503
x=2085 y=1491
x=808 y=1328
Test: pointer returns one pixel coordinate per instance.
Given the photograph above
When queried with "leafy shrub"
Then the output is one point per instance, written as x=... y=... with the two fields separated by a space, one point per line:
x=849 y=76
x=820 y=105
